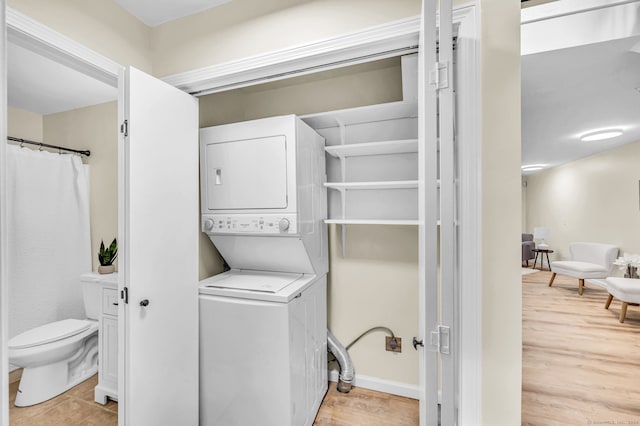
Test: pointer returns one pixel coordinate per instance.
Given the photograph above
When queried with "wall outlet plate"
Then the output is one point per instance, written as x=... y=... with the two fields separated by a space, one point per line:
x=393 y=344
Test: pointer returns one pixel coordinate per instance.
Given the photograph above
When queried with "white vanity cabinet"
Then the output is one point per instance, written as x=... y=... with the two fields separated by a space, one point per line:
x=108 y=345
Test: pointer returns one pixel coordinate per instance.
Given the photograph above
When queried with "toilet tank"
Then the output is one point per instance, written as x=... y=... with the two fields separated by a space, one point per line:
x=93 y=285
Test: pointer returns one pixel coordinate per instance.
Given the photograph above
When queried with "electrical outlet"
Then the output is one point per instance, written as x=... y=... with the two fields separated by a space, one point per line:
x=393 y=344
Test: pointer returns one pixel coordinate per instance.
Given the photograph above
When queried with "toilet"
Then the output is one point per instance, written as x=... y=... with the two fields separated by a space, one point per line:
x=59 y=355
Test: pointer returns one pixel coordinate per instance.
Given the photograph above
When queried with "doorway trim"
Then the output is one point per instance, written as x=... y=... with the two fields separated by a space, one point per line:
x=38 y=38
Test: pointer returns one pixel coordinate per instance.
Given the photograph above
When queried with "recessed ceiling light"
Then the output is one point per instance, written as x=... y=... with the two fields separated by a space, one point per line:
x=533 y=167
x=599 y=135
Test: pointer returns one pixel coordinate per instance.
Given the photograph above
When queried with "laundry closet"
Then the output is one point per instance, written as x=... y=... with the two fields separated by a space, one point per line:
x=373 y=264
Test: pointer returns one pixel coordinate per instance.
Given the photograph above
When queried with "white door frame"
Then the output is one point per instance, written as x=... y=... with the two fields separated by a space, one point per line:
x=4 y=285
x=351 y=48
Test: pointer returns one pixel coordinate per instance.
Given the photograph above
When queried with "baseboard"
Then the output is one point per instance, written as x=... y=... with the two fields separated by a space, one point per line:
x=381 y=385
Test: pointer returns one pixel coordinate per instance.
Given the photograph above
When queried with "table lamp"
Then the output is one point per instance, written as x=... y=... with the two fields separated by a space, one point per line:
x=540 y=233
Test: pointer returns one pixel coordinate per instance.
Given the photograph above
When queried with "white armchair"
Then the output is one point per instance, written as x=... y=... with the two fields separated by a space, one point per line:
x=588 y=260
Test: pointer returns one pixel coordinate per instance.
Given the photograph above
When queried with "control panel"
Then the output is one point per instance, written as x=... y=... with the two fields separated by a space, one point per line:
x=254 y=224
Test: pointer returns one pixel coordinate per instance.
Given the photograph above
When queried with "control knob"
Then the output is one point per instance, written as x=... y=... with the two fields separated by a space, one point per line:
x=283 y=224
x=208 y=224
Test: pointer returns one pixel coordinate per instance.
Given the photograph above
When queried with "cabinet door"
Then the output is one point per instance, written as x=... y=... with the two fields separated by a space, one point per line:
x=109 y=354
x=158 y=232
x=247 y=174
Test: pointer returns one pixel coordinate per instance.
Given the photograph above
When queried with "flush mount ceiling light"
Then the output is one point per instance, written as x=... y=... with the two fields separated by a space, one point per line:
x=600 y=135
x=533 y=167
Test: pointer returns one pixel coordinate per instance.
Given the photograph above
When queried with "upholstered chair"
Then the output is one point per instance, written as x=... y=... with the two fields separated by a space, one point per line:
x=527 y=248
x=587 y=261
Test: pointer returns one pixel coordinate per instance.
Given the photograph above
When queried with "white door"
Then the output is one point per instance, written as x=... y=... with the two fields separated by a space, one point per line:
x=158 y=233
x=247 y=174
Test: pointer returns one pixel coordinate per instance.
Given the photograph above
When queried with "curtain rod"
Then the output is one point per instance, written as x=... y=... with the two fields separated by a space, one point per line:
x=23 y=141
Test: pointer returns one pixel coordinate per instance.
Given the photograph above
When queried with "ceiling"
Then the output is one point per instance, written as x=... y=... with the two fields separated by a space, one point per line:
x=43 y=86
x=156 y=12
x=569 y=92
x=580 y=73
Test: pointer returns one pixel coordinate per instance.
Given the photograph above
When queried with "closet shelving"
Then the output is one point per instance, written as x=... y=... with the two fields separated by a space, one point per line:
x=373 y=148
x=372 y=163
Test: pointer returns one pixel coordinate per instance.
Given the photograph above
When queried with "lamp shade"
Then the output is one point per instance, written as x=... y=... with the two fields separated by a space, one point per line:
x=540 y=233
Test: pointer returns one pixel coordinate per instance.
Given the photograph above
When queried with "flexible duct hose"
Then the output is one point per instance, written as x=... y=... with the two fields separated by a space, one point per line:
x=344 y=360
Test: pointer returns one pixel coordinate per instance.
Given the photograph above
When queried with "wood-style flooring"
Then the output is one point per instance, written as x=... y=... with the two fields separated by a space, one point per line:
x=580 y=366
x=76 y=407
x=366 y=407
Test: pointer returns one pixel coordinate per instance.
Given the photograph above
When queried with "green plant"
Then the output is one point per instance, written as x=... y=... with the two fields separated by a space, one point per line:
x=108 y=255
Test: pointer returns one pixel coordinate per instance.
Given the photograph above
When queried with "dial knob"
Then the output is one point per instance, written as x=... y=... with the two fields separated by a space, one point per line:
x=208 y=224
x=283 y=224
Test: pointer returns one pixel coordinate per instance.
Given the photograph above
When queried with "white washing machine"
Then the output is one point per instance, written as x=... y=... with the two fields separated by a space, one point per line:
x=263 y=339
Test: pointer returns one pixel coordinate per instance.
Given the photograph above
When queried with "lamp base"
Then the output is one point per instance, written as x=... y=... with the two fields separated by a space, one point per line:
x=542 y=246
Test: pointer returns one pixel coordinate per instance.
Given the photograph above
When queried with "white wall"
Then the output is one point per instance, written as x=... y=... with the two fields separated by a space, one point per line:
x=245 y=28
x=501 y=204
x=24 y=124
x=594 y=199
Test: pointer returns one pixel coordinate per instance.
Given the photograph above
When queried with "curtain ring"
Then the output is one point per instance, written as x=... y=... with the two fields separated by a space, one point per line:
x=21 y=144
x=40 y=149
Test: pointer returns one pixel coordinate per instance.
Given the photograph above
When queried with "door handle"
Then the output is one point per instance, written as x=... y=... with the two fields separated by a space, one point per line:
x=144 y=302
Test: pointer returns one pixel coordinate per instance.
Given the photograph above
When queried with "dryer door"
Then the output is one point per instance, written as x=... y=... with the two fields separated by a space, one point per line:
x=247 y=174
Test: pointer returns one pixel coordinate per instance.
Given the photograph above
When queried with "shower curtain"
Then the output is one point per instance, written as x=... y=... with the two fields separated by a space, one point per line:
x=48 y=236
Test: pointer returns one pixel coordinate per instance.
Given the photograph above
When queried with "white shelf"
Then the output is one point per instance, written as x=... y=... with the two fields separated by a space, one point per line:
x=370 y=222
x=373 y=148
x=398 y=184
x=365 y=114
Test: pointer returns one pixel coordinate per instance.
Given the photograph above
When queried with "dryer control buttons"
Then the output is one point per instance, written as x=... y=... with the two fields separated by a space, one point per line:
x=283 y=224
x=250 y=224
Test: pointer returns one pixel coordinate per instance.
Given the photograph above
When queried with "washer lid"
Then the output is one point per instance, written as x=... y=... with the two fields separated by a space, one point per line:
x=48 y=333
x=253 y=281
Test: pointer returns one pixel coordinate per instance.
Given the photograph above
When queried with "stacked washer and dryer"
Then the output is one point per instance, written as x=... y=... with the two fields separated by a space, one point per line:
x=263 y=335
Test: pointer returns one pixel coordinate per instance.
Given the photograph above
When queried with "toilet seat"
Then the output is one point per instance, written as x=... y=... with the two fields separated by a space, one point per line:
x=49 y=333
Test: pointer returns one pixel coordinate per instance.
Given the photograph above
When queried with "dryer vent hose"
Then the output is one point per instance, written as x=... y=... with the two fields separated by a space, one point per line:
x=345 y=378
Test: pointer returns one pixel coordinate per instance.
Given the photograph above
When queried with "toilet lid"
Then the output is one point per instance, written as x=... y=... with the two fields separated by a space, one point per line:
x=48 y=333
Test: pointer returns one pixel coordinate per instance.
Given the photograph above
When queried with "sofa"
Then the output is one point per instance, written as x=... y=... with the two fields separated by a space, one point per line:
x=527 y=248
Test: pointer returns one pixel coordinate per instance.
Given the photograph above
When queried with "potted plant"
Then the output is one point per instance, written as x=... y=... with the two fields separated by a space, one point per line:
x=107 y=256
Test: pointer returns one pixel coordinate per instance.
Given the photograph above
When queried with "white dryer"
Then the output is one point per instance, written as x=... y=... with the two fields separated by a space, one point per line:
x=263 y=339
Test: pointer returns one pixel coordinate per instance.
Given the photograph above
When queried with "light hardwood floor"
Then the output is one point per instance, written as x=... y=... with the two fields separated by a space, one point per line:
x=580 y=366
x=76 y=407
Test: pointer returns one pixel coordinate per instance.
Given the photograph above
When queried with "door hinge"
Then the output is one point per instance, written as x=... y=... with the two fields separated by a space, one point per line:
x=439 y=75
x=124 y=128
x=440 y=339
x=124 y=295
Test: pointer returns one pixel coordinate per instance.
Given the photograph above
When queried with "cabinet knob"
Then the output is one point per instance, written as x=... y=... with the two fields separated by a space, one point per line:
x=144 y=302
